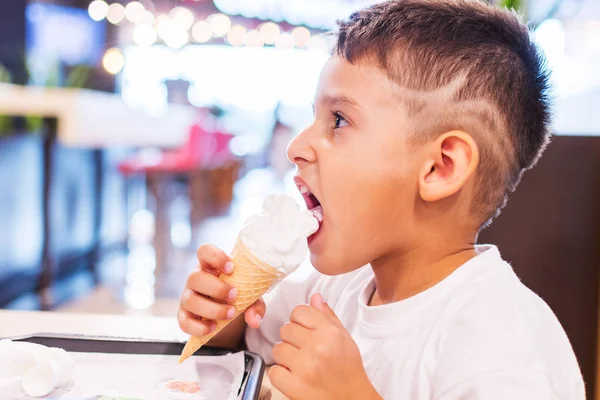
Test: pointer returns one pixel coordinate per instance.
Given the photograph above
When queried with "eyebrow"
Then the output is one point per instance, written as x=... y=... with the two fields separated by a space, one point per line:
x=338 y=99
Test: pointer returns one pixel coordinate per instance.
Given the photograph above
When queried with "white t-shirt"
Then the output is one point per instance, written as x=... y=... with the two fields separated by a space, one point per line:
x=478 y=334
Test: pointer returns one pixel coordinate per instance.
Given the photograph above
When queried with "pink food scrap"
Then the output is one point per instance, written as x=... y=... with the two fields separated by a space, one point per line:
x=183 y=386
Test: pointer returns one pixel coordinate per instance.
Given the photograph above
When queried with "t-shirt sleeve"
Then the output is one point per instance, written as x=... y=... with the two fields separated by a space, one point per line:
x=500 y=350
x=280 y=302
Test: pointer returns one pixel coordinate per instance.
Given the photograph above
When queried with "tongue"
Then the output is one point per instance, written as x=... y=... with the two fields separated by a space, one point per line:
x=317 y=212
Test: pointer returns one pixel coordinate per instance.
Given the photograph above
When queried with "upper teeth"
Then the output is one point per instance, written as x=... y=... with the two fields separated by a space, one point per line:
x=303 y=189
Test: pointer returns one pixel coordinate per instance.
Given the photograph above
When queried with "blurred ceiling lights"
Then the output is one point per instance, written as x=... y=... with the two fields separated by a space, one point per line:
x=180 y=26
x=183 y=17
x=314 y=13
x=144 y=35
x=116 y=13
x=133 y=10
x=219 y=24
x=269 y=31
x=113 y=61
x=98 y=10
x=301 y=36
x=144 y=18
x=284 y=41
x=201 y=32
x=254 y=39
x=237 y=35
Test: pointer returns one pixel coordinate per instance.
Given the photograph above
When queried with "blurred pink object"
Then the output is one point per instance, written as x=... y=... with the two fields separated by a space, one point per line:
x=203 y=149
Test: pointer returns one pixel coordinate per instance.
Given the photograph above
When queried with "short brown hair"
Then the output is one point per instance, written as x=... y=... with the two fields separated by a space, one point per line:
x=462 y=64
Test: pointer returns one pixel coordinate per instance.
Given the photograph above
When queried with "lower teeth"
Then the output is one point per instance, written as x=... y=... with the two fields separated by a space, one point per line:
x=318 y=213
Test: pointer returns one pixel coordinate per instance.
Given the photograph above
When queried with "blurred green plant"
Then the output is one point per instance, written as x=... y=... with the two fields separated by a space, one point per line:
x=5 y=121
x=76 y=78
x=34 y=123
x=516 y=4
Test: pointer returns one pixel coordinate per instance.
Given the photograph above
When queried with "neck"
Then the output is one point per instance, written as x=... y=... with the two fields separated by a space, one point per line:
x=401 y=275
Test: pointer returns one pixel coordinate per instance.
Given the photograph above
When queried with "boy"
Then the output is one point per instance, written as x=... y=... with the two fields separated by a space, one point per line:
x=426 y=117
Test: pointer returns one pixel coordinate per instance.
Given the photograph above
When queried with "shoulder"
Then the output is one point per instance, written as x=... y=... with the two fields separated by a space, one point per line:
x=499 y=325
x=491 y=292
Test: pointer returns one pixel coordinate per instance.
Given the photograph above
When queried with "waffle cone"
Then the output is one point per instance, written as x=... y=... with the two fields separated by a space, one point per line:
x=252 y=278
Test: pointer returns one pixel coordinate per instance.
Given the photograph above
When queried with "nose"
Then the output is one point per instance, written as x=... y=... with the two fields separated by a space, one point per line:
x=300 y=150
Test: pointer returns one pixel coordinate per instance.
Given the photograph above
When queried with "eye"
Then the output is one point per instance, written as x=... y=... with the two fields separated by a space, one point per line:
x=340 y=121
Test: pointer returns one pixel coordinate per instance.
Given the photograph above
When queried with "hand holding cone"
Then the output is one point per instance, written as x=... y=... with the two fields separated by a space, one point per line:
x=252 y=278
x=270 y=246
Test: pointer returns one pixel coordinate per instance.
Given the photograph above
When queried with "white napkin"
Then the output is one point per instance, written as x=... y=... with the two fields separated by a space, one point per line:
x=38 y=369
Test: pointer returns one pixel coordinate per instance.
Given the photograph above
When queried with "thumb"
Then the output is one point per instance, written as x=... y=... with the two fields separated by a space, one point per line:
x=317 y=301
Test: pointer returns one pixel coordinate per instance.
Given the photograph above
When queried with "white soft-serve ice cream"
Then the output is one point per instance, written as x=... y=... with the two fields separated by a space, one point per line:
x=37 y=369
x=278 y=235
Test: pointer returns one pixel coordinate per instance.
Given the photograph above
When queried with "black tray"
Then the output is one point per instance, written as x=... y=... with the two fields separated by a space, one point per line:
x=253 y=374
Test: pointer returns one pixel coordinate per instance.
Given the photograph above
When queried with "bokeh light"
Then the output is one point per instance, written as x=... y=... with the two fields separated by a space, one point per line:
x=317 y=43
x=98 y=10
x=163 y=27
x=182 y=17
x=144 y=18
x=220 y=24
x=133 y=9
x=116 y=13
x=113 y=61
x=284 y=41
x=301 y=36
x=237 y=35
x=201 y=32
x=144 y=35
x=269 y=31
x=174 y=36
x=160 y=18
x=254 y=39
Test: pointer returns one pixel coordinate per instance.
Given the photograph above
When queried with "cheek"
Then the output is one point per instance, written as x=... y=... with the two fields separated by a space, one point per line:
x=368 y=193
x=375 y=209
x=376 y=197
x=359 y=228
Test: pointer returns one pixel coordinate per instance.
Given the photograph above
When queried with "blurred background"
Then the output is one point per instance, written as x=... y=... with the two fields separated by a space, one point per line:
x=131 y=132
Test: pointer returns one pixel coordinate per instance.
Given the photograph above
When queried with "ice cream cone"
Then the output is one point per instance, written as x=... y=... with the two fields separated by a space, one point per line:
x=252 y=278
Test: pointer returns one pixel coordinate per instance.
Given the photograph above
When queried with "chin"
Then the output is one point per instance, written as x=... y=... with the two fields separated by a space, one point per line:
x=331 y=266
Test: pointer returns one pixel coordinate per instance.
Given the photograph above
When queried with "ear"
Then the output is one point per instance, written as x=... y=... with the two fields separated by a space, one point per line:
x=452 y=161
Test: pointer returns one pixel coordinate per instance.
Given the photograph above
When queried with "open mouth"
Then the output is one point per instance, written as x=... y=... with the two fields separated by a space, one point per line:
x=312 y=202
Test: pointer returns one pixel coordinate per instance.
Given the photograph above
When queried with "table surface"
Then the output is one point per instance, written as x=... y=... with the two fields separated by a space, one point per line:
x=26 y=323
x=93 y=119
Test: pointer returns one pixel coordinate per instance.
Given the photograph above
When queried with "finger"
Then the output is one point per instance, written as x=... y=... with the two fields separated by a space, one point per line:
x=194 y=326
x=317 y=301
x=213 y=260
x=204 y=307
x=308 y=316
x=282 y=379
x=209 y=285
x=255 y=313
x=285 y=355
x=295 y=334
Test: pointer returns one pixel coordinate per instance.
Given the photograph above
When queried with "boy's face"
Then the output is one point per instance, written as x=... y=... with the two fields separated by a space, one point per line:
x=356 y=161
